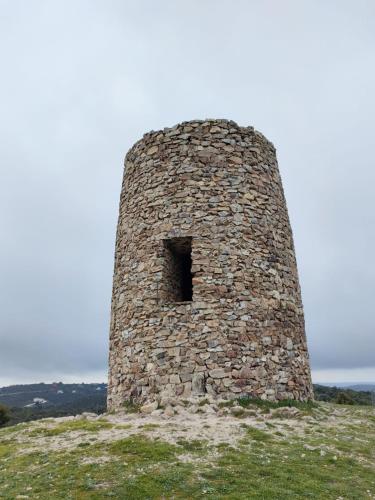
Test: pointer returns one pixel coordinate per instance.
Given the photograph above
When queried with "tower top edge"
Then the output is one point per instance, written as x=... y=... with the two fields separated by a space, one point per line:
x=214 y=126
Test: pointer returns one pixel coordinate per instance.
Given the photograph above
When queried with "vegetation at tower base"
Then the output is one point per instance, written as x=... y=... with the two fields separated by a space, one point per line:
x=205 y=194
x=201 y=448
x=71 y=399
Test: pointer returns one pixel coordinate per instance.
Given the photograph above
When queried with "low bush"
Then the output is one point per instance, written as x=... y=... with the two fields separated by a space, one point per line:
x=4 y=415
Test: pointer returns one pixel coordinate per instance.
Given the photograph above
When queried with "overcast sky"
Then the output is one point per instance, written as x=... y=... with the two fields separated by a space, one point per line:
x=82 y=80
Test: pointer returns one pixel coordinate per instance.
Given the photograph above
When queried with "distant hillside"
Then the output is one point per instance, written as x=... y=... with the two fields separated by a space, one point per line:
x=35 y=401
x=55 y=394
x=362 y=387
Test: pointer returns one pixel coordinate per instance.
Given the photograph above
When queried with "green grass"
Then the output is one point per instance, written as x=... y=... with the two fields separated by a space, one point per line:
x=257 y=434
x=131 y=407
x=73 y=425
x=123 y=426
x=287 y=472
x=249 y=402
x=195 y=445
x=149 y=427
x=6 y=451
x=266 y=464
x=138 y=449
x=238 y=412
x=203 y=402
x=305 y=407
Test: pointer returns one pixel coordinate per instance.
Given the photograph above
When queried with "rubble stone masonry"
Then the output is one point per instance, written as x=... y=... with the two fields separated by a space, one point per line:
x=206 y=298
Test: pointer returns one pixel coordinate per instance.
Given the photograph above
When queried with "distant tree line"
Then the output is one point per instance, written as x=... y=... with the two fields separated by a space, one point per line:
x=341 y=395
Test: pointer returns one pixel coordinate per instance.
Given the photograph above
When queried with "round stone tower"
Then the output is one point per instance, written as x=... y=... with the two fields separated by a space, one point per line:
x=206 y=298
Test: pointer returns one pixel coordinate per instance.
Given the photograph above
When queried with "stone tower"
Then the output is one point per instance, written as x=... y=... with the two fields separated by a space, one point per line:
x=206 y=298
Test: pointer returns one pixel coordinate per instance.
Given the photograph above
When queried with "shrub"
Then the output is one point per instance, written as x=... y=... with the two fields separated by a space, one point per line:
x=4 y=415
x=344 y=398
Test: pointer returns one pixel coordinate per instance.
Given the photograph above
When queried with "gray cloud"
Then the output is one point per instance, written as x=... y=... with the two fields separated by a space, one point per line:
x=81 y=81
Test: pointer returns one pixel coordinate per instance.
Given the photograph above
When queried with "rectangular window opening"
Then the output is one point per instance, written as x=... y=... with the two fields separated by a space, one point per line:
x=177 y=277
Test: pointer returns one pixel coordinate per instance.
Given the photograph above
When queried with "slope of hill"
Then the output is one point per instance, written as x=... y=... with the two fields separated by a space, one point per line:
x=196 y=450
x=33 y=401
x=362 y=387
x=53 y=394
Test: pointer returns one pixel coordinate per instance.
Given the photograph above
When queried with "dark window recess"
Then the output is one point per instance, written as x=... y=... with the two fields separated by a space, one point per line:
x=177 y=280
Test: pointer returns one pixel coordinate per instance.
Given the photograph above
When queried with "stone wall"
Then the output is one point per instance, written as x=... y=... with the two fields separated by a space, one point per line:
x=243 y=332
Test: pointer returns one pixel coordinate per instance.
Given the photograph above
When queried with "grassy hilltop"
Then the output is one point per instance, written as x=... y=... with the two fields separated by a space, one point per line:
x=196 y=450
